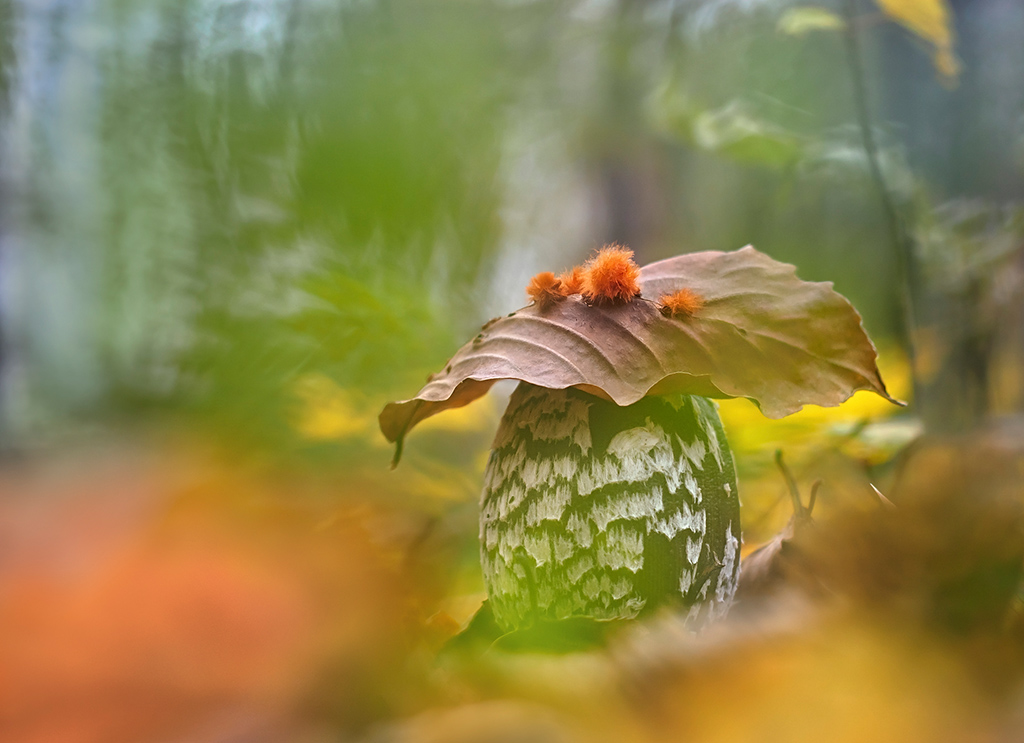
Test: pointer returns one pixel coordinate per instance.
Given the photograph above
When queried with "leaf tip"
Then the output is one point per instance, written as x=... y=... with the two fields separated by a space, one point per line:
x=399 y=445
x=611 y=276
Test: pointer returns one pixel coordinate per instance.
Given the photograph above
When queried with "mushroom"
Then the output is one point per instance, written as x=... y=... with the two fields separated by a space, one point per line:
x=610 y=490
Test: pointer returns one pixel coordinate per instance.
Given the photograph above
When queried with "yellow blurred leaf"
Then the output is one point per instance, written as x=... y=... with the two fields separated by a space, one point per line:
x=948 y=65
x=326 y=411
x=932 y=21
x=801 y=21
x=929 y=19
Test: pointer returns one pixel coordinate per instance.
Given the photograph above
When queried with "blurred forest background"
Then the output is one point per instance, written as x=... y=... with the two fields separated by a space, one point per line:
x=232 y=230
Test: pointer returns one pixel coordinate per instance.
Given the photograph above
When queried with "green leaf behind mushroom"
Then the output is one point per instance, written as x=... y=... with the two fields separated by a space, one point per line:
x=762 y=334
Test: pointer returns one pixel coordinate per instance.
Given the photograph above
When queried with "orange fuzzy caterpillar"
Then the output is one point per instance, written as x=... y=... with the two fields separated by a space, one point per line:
x=544 y=289
x=611 y=276
x=572 y=281
x=684 y=302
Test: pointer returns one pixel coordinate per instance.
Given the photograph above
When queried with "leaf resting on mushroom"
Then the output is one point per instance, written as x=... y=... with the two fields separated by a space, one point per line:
x=761 y=333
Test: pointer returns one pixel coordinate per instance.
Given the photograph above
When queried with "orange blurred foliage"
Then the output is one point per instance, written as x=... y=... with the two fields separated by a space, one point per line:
x=174 y=598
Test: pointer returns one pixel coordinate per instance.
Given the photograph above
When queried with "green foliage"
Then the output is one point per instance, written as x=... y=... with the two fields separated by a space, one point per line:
x=252 y=222
x=804 y=20
x=268 y=219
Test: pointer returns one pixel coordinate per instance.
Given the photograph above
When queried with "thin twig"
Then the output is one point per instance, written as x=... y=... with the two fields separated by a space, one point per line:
x=815 y=486
x=882 y=500
x=794 y=492
x=900 y=237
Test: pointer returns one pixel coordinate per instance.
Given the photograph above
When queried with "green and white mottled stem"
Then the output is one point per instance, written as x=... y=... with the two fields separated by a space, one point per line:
x=596 y=510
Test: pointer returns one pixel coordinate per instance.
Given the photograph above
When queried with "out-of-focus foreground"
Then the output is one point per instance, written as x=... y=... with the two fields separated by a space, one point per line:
x=231 y=230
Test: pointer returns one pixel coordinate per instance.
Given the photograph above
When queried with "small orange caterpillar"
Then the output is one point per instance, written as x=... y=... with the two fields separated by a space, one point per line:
x=545 y=289
x=611 y=276
x=572 y=281
x=683 y=303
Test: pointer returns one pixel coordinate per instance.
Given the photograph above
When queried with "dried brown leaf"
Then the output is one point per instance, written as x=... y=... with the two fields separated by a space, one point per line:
x=761 y=333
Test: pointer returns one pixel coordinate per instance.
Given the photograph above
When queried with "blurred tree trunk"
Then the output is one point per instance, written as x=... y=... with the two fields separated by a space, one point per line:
x=967 y=145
